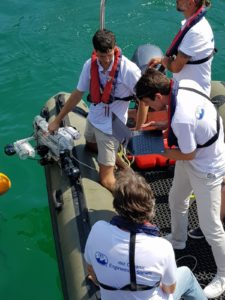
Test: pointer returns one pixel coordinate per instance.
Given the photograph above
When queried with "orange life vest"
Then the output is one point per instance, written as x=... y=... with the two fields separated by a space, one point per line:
x=97 y=92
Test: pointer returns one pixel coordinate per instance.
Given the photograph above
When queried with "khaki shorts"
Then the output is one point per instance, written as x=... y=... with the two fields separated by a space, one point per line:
x=107 y=144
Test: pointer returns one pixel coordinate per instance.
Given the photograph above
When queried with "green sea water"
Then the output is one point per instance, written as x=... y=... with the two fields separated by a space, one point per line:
x=43 y=45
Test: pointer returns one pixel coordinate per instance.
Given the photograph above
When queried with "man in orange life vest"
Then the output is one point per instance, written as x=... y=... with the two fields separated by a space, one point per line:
x=191 y=51
x=110 y=79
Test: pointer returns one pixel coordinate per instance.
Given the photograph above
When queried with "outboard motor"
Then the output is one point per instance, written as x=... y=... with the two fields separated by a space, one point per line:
x=144 y=53
x=218 y=97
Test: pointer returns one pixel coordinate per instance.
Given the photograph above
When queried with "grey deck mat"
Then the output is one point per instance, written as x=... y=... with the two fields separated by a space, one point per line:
x=197 y=255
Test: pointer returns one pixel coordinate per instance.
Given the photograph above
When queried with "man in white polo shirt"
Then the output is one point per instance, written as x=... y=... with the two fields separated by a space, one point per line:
x=191 y=51
x=127 y=258
x=196 y=130
x=109 y=77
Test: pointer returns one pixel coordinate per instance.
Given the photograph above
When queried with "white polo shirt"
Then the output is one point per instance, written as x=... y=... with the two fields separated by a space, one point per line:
x=194 y=122
x=100 y=115
x=198 y=43
x=107 y=250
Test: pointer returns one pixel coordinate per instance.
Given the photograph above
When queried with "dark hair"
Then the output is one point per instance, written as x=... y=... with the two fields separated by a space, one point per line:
x=133 y=197
x=104 y=40
x=152 y=82
x=206 y=3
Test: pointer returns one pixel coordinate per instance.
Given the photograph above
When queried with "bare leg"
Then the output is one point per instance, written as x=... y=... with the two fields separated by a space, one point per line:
x=106 y=173
x=106 y=176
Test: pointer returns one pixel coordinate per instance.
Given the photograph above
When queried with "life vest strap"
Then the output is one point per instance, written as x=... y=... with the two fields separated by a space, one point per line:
x=194 y=91
x=181 y=33
x=128 y=287
x=128 y=98
x=201 y=61
x=216 y=135
x=132 y=286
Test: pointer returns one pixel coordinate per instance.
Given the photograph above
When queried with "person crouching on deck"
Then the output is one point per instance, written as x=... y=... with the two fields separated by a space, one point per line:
x=127 y=258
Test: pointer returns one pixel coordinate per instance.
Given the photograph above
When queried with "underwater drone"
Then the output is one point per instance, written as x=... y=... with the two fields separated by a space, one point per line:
x=50 y=147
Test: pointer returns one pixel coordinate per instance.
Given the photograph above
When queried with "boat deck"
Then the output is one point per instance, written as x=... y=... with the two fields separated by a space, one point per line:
x=197 y=255
x=85 y=201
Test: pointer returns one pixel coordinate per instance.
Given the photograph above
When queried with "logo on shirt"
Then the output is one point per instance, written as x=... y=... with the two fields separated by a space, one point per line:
x=101 y=258
x=199 y=113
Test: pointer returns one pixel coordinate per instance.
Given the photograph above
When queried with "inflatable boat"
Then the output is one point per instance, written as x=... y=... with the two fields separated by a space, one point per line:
x=77 y=200
x=76 y=203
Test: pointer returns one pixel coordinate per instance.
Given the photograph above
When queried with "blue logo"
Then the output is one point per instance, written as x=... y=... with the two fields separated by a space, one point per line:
x=101 y=258
x=200 y=113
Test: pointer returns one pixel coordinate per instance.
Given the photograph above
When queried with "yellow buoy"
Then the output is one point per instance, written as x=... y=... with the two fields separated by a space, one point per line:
x=5 y=183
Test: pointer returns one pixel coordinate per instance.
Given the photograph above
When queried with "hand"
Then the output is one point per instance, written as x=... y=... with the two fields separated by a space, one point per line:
x=165 y=133
x=91 y=274
x=149 y=124
x=53 y=127
x=93 y=279
x=159 y=125
x=154 y=62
